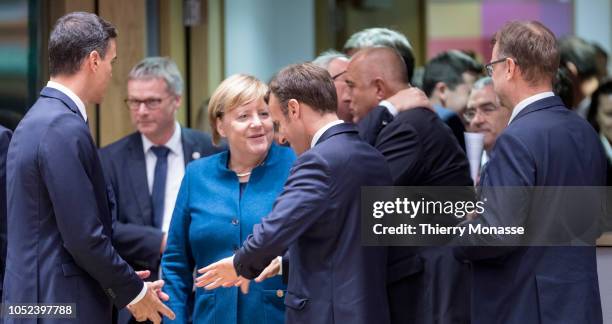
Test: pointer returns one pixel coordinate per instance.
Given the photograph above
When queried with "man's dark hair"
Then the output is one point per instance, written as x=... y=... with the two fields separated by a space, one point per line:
x=74 y=36
x=581 y=53
x=448 y=67
x=305 y=83
x=532 y=46
x=563 y=87
x=605 y=88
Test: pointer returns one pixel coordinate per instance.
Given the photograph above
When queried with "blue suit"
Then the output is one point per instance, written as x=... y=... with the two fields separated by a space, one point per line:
x=210 y=221
x=332 y=277
x=59 y=218
x=134 y=235
x=5 y=137
x=545 y=145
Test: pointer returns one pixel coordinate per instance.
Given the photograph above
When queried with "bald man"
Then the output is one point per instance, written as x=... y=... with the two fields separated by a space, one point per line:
x=425 y=284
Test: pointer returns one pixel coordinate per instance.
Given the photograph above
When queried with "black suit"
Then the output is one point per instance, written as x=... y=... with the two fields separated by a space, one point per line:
x=425 y=284
x=5 y=137
x=134 y=235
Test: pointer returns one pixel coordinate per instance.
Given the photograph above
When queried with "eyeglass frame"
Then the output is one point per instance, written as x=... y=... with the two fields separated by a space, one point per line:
x=489 y=66
x=147 y=105
x=482 y=111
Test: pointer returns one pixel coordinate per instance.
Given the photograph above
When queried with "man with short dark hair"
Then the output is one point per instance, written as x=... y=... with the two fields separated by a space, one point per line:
x=579 y=57
x=332 y=277
x=544 y=145
x=59 y=209
x=447 y=81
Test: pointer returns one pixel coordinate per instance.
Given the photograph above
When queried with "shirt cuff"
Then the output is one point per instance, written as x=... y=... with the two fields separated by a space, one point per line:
x=140 y=296
x=390 y=107
x=280 y=260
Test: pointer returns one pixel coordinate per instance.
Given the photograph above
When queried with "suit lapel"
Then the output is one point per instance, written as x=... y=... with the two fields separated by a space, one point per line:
x=191 y=150
x=137 y=170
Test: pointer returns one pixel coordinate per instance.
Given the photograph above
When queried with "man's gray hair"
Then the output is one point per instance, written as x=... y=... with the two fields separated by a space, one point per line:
x=372 y=37
x=383 y=37
x=325 y=58
x=159 y=67
x=482 y=82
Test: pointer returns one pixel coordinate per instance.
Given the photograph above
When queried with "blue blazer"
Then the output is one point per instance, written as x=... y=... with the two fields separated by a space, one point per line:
x=332 y=277
x=545 y=145
x=59 y=218
x=210 y=221
x=134 y=235
x=5 y=137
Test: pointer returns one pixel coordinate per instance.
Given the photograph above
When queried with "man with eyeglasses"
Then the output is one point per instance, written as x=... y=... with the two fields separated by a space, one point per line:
x=485 y=115
x=544 y=145
x=335 y=63
x=145 y=168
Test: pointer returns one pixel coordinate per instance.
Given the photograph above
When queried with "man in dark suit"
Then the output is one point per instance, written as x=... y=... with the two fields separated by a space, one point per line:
x=426 y=285
x=545 y=144
x=59 y=218
x=5 y=138
x=332 y=277
x=154 y=92
x=145 y=198
x=447 y=81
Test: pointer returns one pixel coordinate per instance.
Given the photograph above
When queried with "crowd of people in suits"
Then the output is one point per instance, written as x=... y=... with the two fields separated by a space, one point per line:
x=173 y=222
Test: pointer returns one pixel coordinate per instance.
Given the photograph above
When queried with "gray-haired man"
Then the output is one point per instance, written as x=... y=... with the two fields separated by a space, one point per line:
x=145 y=168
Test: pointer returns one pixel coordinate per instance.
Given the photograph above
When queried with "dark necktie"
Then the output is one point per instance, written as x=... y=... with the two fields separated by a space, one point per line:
x=159 y=184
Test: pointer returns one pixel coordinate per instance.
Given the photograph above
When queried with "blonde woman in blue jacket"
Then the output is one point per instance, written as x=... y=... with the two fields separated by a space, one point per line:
x=221 y=198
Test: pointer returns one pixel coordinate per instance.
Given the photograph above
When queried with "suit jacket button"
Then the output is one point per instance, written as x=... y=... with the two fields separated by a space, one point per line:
x=280 y=293
x=235 y=221
x=196 y=155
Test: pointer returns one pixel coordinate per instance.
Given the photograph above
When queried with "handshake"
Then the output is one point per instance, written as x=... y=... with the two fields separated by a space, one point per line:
x=150 y=306
x=223 y=274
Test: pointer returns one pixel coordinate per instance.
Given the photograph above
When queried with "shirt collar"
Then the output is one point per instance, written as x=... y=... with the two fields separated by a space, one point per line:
x=528 y=101
x=322 y=130
x=79 y=103
x=607 y=146
x=174 y=143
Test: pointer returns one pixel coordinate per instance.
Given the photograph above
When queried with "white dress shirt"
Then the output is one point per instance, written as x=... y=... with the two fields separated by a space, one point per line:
x=176 y=170
x=322 y=130
x=527 y=101
x=390 y=107
x=81 y=106
x=79 y=103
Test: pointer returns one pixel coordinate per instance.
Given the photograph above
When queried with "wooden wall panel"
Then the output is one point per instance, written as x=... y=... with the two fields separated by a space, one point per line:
x=129 y=18
x=172 y=43
x=198 y=81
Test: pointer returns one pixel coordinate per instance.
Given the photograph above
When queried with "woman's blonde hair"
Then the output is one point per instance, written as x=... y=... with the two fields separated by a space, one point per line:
x=235 y=91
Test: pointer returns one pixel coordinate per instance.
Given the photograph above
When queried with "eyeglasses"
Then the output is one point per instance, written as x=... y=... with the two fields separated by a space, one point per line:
x=150 y=103
x=489 y=67
x=486 y=110
x=338 y=75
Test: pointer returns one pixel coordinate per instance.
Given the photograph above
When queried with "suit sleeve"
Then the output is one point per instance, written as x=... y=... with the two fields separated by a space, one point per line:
x=66 y=162
x=371 y=125
x=178 y=263
x=303 y=201
x=506 y=183
x=400 y=145
x=137 y=244
x=5 y=137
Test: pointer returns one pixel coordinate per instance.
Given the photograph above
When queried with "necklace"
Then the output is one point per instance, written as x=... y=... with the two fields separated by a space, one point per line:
x=244 y=174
